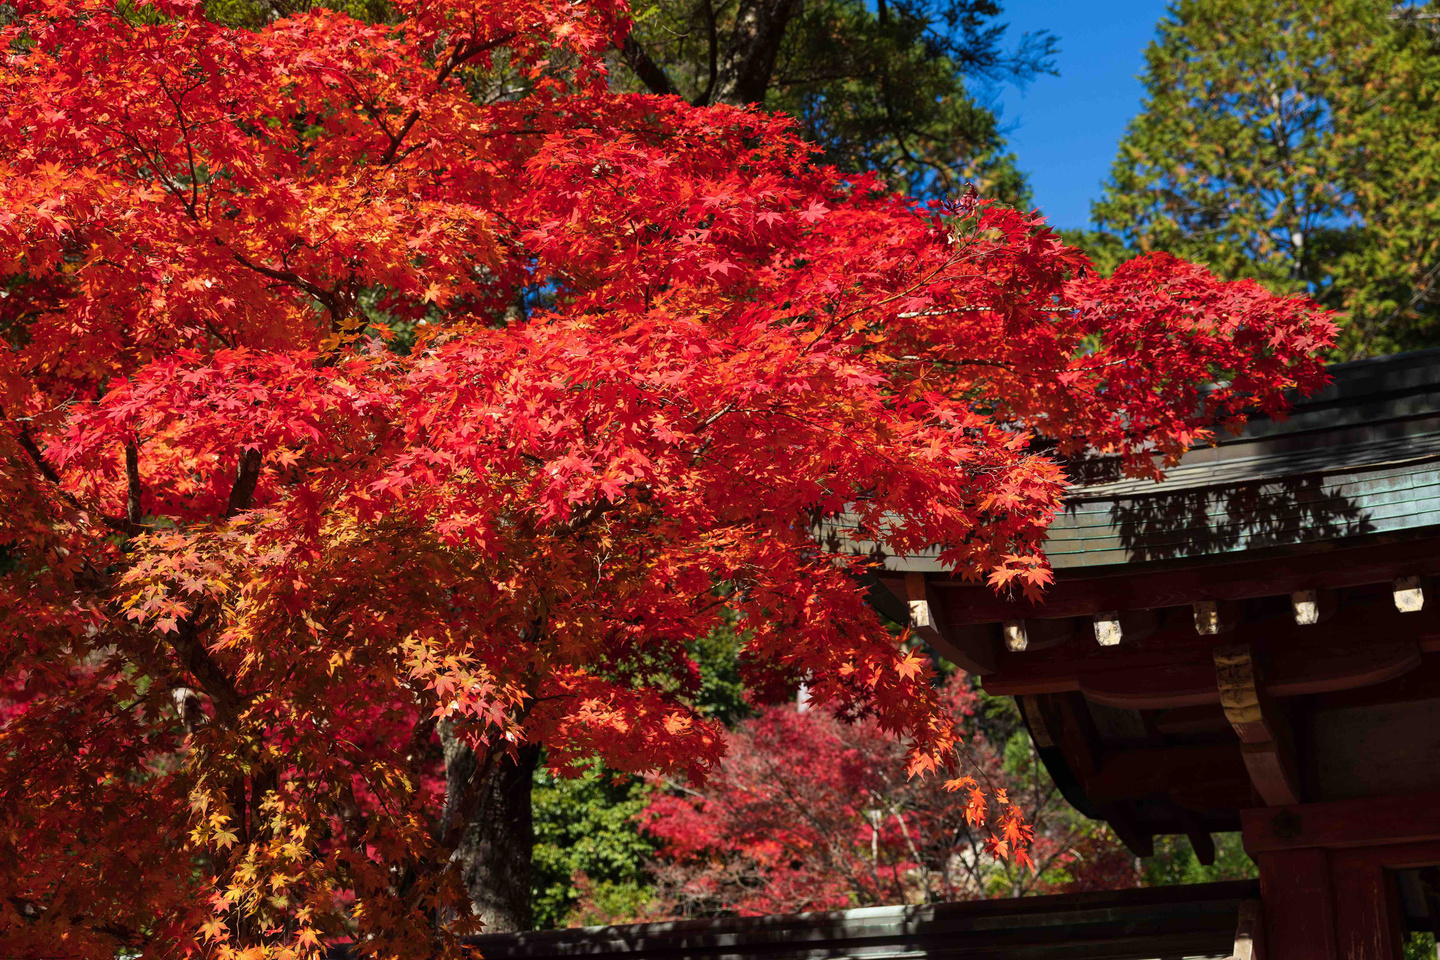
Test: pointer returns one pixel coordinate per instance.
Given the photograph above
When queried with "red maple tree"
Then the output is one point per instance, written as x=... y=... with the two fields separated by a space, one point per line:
x=340 y=398
x=810 y=811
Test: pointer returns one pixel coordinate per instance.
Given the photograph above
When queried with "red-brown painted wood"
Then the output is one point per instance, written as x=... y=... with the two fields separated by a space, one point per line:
x=1367 y=914
x=1297 y=900
x=1080 y=592
x=1343 y=824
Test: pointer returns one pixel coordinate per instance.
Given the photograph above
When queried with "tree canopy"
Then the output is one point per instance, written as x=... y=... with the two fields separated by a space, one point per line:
x=256 y=552
x=879 y=86
x=1294 y=141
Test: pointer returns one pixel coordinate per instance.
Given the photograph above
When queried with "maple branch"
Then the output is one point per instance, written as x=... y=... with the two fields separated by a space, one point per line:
x=31 y=911
x=194 y=202
x=246 y=477
x=352 y=821
x=326 y=297
x=581 y=521
x=457 y=57
x=193 y=653
x=29 y=445
x=172 y=186
x=37 y=456
x=419 y=737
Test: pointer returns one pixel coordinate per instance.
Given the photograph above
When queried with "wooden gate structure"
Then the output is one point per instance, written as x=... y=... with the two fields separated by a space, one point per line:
x=1252 y=644
x=1168 y=923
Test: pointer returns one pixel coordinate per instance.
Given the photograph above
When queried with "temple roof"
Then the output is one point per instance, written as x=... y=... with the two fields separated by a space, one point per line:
x=1359 y=459
x=1305 y=550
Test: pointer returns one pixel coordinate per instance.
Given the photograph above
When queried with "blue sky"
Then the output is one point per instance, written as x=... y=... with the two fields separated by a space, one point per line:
x=1065 y=129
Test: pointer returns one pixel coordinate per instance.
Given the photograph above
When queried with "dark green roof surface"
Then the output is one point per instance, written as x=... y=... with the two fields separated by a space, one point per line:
x=1359 y=459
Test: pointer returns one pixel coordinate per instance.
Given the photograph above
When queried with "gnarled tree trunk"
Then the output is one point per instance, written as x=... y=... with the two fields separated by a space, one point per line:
x=499 y=836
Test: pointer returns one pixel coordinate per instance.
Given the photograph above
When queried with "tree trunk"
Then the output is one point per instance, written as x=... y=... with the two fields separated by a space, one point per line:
x=496 y=847
x=760 y=29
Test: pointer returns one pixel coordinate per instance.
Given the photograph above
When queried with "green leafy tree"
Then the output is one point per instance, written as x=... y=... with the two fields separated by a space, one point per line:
x=591 y=856
x=588 y=843
x=1175 y=862
x=1296 y=142
x=880 y=86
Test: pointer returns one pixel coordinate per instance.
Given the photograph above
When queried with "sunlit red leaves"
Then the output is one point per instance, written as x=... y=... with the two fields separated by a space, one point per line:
x=660 y=344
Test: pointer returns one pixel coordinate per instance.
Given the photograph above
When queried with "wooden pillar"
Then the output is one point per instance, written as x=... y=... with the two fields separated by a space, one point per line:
x=1367 y=911
x=1327 y=887
x=1297 y=900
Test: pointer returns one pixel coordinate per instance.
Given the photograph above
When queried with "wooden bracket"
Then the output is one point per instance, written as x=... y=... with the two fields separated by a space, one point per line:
x=1111 y=628
x=1248 y=936
x=1214 y=617
x=1409 y=594
x=1035 y=718
x=970 y=648
x=1023 y=635
x=1200 y=840
x=1312 y=606
x=1263 y=731
x=1074 y=733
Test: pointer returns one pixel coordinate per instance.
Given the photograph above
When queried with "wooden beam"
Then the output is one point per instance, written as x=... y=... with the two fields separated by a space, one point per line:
x=1367 y=642
x=1247 y=932
x=1264 y=734
x=1336 y=824
x=1200 y=840
x=1023 y=635
x=1367 y=908
x=1146 y=688
x=1086 y=592
x=1300 y=672
x=1298 y=903
x=970 y=647
x=1078 y=740
x=1149 y=771
x=1035 y=719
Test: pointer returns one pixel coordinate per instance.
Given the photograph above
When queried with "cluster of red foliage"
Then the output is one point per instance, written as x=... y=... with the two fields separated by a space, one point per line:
x=809 y=811
x=252 y=554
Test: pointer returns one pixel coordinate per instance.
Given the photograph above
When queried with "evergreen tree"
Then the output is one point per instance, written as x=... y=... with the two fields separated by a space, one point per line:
x=1293 y=141
x=880 y=86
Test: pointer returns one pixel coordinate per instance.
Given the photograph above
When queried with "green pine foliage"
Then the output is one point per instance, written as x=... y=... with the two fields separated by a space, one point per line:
x=256 y=13
x=882 y=86
x=1296 y=142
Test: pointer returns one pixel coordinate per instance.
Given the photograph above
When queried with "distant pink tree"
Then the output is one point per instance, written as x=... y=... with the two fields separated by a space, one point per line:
x=811 y=811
